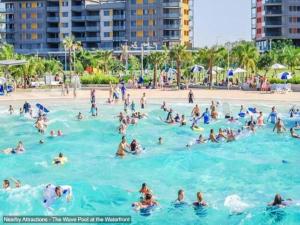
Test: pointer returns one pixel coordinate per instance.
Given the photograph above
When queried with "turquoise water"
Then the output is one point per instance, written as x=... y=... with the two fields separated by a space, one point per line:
x=251 y=167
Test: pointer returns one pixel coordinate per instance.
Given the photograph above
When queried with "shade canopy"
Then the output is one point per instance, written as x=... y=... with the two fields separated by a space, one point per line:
x=197 y=69
x=239 y=70
x=278 y=66
x=2 y=80
x=12 y=62
x=217 y=69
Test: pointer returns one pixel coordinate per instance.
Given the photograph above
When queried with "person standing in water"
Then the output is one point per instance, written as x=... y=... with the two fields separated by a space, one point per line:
x=206 y=116
x=122 y=149
x=279 y=126
x=191 y=96
x=273 y=116
x=143 y=101
x=11 y=109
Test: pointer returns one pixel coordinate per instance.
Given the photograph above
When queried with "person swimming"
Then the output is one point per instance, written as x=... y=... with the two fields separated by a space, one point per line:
x=196 y=111
x=214 y=113
x=293 y=133
x=135 y=147
x=180 y=198
x=199 y=202
x=177 y=118
x=206 y=116
x=11 y=109
x=273 y=116
x=17 y=150
x=212 y=136
x=122 y=149
x=278 y=201
x=164 y=106
x=147 y=202
x=221 y=135
x=132 y=106
x=160 y=140
x=6 y=184
x=279 y=126
x=79 y=116
x=59 y=133
x=145 y=190
x=201 y=140
x=60 y=160
x=182 y=120
x=53 y=193
x=297 y=126
x=260 y=119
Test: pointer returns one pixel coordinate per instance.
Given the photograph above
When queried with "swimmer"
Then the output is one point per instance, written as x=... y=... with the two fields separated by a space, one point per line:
x=279 y=126
x=293 y=134
x=206 y=116
x=52 y=133
x=122 y=128
x=132 y=106
x=21 y=111
x=201 y=139
x=135 y=147
x=52 y=193
x=180 y=197
x=221 y=135
x=133 y=121
x=60 y=160
x=40 y=125
x=164 y=106
x=160 y=140
x=6 y=184
x=170 y=118
x=230 y=136
x=196 y=111
x=94 y=110
x=212 y=136
x=79 y=116
x=11 y=109
x=273 y=116
x=278 y=201
x=214 y=113
x=59 y=133
x=41 y=141
x=260 y=119
x=200 y=202
x=177 y=118
x=232 y=119
x=182 y=120
x=122 y=149
x=17 y=183
x=147 y=202
x=145 y=190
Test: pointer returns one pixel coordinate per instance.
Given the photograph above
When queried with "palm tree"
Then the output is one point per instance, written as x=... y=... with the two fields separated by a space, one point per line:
x=291 y=57
x=25 y=71
x=179 y=54
x=210 y=57
x=246 y=55
x=103 y=60
x=7 y=52
x=156 y=59
x=71 y=46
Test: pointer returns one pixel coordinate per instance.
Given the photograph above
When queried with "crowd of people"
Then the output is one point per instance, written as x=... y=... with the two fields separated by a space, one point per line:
x=249 y=119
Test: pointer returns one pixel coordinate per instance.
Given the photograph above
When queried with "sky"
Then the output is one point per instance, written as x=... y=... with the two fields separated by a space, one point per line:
x=220 y=21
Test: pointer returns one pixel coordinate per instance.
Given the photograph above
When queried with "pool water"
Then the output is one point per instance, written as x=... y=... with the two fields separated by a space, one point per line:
x=250 y=167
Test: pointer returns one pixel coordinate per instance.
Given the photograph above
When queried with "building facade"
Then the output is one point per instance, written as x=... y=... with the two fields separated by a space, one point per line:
x=37 y=26
x=275 y=20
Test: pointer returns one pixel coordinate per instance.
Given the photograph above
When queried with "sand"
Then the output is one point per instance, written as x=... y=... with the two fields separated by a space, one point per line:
x=155 y=95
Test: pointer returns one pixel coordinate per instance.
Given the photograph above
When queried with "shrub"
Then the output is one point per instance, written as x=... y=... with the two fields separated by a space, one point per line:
x=98 y=79
x=294 y=80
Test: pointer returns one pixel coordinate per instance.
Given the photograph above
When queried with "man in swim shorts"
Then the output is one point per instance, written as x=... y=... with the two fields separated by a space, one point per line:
x=122 y=149
x=279 y=126
x=273 y=116
x=293 y=133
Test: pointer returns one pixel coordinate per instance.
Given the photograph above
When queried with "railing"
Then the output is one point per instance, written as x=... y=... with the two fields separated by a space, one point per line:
x=52 y=8
x=78 y=18
x=52 y=19
x=78 y=29
x=92 y=39
x=273 y=1
x=53 y=40
x=119 y=17
x=53 y=29
x=93 y=18
x=77 y=8
x=170 y=4
x=172 y=26
x=92 y=28
x=171 y=15
x=119 y=27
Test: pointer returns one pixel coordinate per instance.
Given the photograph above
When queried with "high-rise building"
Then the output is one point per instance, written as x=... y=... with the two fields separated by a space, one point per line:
x=2 y=23
x=275 y=20
x=41 y=25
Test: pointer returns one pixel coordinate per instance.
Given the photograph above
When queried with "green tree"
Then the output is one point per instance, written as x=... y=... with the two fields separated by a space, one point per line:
x=156 y=59
x=291 y=56
x=71 y=46
x=179 y=54
x=265 y=61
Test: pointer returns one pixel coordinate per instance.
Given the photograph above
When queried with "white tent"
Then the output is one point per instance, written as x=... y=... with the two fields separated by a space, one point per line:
x=239 y=70
x=277 y=66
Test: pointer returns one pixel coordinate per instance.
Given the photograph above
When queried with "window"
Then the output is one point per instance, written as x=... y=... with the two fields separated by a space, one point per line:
x=139 y=1
x=65 y=14
x=140 y=33
x=133 y=23
x=133 y=1
x=145 y=23
x=33 y=15
x=65 y=3
x=28 y=5
x=133 y=12
x=24 y=26
x=106 y=23
x=23 y=15
x=40 y=36
x=139 y=22
x=33 y=5
x=33 y=36
x=64 y=35
x=65 y=25
x=106 y=34
x=133 y=34
x=106 y=13
x=33 y=26
x=40 y=4
x=139 y=12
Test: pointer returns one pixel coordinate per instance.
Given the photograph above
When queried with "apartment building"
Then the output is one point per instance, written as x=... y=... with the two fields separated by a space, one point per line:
x=275 y=20
x=39 y=26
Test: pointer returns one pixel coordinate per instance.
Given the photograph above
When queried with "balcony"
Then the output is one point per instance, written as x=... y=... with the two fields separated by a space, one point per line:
x=119 y=27
x=92 y=39
x=169 y=37
x=172 y=26
x=53 y=29
x=171 y=15
x=119 y=38
x=78 y=29
x=92 y=28
x=77 y=8
x=273 y=2
x=52 y=9
x=276 y=12
x=53 y=40
x=9 y=10
x=119 y=17
x=170 y=4
x=92 y=18
x=53 y=19
x=10 y=30
x=81 y=39
x=78 y=18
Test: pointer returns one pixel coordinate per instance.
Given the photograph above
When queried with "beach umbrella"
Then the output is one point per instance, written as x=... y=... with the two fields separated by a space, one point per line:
x=2 y=80
x=230 y=73
x=197 y=69
x=285 y=76
x=278 y=66
x=42 y=108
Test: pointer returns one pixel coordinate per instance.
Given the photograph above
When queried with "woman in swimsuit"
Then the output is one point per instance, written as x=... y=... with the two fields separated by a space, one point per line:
x=200 y=201
x=260 y=119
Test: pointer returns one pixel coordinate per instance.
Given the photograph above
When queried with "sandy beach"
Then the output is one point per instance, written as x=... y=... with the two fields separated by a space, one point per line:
x=156 y=95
